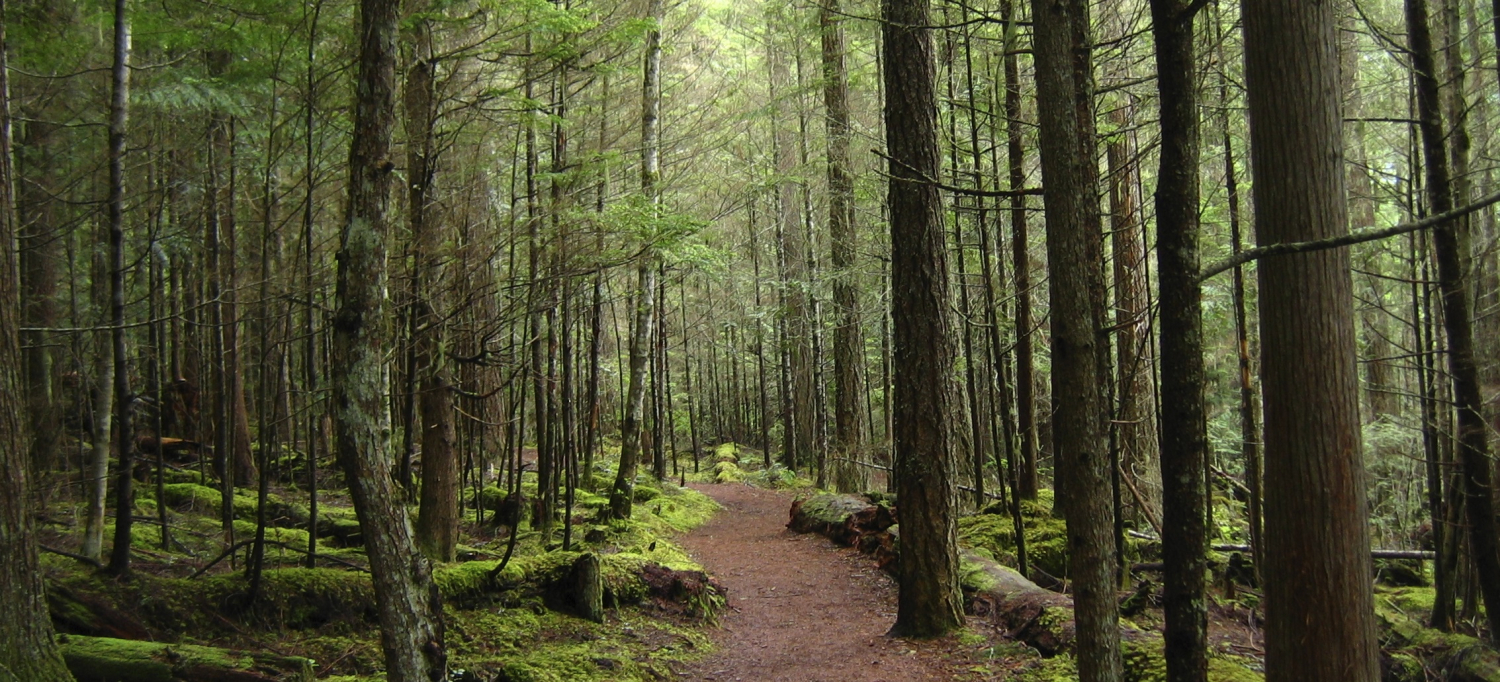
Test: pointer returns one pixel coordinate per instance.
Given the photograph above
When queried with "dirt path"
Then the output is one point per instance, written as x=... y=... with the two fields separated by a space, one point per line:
x=800 y=608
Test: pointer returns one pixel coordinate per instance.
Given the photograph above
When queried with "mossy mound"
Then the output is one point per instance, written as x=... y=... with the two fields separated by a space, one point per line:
x=728 y=472
x=503 y=645
x=1144 y=661
x=1046 y=539
x=727 y=452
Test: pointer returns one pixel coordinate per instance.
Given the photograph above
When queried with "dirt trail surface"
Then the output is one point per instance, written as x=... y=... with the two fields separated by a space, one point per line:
x=800 y=608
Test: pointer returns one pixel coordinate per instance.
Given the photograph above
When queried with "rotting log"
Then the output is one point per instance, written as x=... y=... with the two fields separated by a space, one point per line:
x=844 y=519
x=1031 y=614
x=103 y=659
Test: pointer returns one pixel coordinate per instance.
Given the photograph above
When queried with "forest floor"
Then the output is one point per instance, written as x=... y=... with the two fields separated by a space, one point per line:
x=801 y=608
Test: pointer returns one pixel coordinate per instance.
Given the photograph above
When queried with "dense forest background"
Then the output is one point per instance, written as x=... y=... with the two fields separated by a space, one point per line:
x=551 y=296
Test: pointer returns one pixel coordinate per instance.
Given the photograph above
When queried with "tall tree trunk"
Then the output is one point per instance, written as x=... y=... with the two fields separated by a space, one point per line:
x=1073 y=255
x=119 y=109
x=411 y=617
x=848 y=340
x=1135 y=391
x=1021 y=262
x=27 y=650
x=929 y=603
x=39 y=237
x=1316 y=561
x=620 y=496
x=1450 y=242
x=1073 y=252
x=1184 y=442
x=438 y=513
x=797 y=311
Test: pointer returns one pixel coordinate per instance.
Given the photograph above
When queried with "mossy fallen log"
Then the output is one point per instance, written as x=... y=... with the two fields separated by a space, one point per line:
x=1041 y=618
x=102 y=659
x=1413 y=652
x=844 y=519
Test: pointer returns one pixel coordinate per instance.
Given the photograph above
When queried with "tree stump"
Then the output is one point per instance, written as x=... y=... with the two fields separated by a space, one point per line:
x=588 y=588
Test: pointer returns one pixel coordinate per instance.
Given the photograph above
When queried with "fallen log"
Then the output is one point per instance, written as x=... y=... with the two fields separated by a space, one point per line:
x=1038 y=617
x=844 y=519
x=102 y=659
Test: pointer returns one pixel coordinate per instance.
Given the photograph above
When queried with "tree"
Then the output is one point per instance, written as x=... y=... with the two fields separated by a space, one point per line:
x=1473 y=432
x=411 y=618
x=1316 y=564
x=119 y=111
x=438 y=515
x=620 y=496
x=27 y=650
x=848 y=342
x=1074 y=244
x=924 y=354
x=1184 y=442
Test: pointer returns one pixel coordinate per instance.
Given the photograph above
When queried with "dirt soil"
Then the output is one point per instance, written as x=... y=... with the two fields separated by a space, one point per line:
x=800 y=608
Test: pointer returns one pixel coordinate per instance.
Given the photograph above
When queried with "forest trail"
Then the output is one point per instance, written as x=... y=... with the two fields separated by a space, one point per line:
x=801 y=609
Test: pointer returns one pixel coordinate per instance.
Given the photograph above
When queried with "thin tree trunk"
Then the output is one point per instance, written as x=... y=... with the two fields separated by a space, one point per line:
x=119 y=560
x=438 y=512
x=620 y=496
x=1448 y=240
x=1184 y=451
x=1021 y=263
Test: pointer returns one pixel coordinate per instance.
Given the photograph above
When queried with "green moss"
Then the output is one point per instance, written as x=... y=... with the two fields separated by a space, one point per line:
x=1046 y=539
x=645 y=493
x=1145 y=661
x=728 y=472
x=1056 y=669
x=1233 y=669
x=295 y=537
x=131 y=661
x=727 y=452
x=973 y=577
x=520 y=644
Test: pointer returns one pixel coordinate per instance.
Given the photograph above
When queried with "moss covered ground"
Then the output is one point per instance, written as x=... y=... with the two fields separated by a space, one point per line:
x=506 y=626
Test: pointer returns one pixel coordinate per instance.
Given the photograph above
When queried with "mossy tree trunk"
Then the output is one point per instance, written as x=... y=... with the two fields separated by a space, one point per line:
x=411 y=625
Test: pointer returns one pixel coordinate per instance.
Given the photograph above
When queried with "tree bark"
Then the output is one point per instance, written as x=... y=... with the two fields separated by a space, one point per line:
x=1316 y=564
x=1021 y=263
x=1184 y=442
x=1449 y=242
x=1073 y=247
x=27 y=650
x=438 y=511
x=620 y=496
x=410 y=615
x=848 y=340
x=119 y=109
x=929 y=603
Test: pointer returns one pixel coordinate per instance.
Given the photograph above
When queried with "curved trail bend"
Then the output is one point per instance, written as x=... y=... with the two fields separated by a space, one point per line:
x=801 y=609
